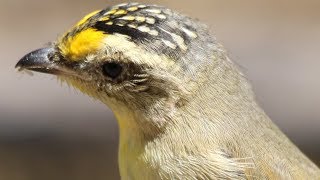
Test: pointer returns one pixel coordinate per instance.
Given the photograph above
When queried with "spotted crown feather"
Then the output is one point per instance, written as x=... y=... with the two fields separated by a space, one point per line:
x=169 y=32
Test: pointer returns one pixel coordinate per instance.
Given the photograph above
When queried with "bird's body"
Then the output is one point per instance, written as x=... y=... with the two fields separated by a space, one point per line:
x=225 y=138
x=184 y=109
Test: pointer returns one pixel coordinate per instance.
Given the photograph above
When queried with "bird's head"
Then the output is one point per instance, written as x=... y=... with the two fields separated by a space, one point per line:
x=142 y=58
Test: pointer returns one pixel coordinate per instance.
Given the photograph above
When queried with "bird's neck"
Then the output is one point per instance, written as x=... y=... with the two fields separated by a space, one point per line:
x=132 y=142
x=224 y=91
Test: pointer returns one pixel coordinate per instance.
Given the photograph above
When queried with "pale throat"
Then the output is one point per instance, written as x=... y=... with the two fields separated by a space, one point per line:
x=131 y=143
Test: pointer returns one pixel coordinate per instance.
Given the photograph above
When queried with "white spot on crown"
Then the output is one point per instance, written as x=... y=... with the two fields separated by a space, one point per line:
x=150 y=20
x=155 y=11
x=144 y=29
x=190 y=33
x=169 y=44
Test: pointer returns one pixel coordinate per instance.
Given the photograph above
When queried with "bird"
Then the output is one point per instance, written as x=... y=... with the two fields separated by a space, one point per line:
x=184 y=108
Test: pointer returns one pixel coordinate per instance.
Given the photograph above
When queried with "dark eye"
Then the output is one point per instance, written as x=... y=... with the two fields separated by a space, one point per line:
x=112 y=70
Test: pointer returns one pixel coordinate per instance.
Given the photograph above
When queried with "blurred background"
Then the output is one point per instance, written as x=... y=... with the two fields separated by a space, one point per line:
x=51 y=131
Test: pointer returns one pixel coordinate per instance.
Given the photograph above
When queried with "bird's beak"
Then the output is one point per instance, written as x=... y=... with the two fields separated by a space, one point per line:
x=40 y=61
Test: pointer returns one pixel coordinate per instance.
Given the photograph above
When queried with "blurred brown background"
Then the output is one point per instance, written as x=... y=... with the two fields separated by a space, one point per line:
x=49 y=132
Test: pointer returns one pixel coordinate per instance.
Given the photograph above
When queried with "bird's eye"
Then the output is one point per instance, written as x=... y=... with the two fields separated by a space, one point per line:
x=112 y=70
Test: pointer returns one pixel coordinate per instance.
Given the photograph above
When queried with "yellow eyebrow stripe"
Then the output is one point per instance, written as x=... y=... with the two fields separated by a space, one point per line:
x=86 y=42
